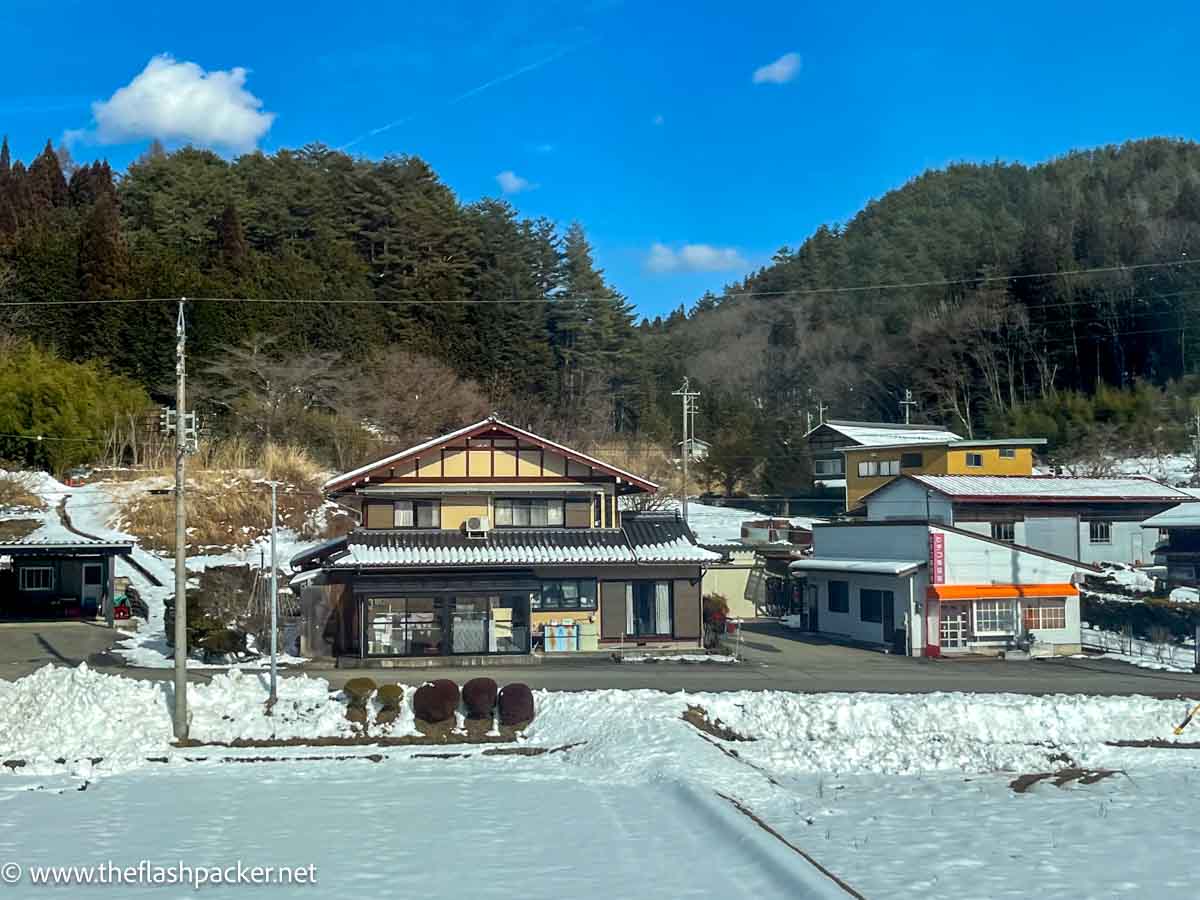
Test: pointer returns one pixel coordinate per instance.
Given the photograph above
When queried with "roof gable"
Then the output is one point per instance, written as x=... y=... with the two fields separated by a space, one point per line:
x=489 y=427
x=872 y=434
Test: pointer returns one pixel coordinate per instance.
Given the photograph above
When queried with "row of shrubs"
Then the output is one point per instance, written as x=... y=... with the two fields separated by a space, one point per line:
x=1145 y=620
x=437 y=702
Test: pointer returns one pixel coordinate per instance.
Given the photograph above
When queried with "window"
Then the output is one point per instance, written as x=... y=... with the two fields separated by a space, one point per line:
x=1046 y=614
x=827 y=467
x=839 y=596
x=912 y=460
x=1004 y=531
x=576 y=594
x=1008 y=452
x=37 y=578
x=870 y=604
x=994 y=617
x=872 y=468
x=975 y=460
x=529 y=513
x=418 y=514
x=1099 y=532
x=648 y=608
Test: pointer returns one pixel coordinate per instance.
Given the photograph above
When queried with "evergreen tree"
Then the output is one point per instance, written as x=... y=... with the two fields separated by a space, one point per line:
x=232 y=248
x=103 y=255
x=47 y=186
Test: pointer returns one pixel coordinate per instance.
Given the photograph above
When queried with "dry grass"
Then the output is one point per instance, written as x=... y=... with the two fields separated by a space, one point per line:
x=17 y=529
x=17 y=493
x=228 y=503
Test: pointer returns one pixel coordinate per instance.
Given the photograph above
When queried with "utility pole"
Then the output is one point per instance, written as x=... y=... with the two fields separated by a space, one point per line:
x=821 y=408
x=1196 y=448
x=274 y=600
x=181 y=437
x=688 y=397
x=908 y=403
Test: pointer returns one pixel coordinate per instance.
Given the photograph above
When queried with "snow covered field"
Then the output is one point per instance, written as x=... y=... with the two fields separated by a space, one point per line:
x=898 y=795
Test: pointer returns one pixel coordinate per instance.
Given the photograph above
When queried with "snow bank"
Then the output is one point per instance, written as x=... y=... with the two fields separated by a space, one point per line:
x=1185 y=595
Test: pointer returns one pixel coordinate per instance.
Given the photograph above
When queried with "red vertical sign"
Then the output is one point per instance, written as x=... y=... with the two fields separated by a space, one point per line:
x=937 y=557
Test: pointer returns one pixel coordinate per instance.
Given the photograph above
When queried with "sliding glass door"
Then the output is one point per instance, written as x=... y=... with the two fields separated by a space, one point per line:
x=649 y=609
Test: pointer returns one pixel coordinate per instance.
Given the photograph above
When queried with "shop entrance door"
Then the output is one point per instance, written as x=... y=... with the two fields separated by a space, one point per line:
x=953 y=631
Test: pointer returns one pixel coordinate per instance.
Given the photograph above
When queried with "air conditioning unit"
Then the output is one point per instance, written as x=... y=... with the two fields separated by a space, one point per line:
x=478 y=525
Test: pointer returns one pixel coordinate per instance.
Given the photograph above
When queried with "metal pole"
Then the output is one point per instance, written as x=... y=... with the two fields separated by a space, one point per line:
x=181 y=718
x=686 y=450
x=274 y=599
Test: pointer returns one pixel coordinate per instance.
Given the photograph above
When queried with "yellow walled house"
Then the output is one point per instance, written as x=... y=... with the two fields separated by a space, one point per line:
x=493 y=540
x=869 y=468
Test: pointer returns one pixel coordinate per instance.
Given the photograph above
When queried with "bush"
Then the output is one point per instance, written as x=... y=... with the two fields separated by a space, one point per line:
x=436 y=702
x=359 y=690
x=1151 y=619
x=390 y=696
x=479 y=697
x=516 y=705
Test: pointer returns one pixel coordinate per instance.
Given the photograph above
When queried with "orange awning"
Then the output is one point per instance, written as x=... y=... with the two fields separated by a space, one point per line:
x=998 y=591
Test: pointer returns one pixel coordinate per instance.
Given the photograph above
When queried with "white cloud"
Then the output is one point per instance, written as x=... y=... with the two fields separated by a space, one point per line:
x=512 y=183
x=179 y=101
x=781 y=71
x=694 y=258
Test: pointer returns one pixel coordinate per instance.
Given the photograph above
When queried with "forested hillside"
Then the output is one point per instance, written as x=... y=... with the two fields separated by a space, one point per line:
x=405 y=307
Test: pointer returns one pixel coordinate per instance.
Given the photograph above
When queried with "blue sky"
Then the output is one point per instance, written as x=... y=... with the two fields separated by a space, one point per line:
x=646 y=122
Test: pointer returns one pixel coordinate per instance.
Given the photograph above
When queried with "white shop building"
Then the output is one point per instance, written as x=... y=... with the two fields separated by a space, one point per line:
x=1088 y=519
x=928 y=589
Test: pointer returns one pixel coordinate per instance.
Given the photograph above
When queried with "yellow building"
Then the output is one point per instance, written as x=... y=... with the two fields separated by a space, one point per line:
x=869 y=468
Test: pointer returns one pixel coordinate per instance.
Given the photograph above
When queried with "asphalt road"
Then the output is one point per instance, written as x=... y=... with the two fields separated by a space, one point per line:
x=774 y=659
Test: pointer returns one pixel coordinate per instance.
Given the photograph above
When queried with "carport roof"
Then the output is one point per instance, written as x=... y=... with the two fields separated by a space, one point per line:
x=896 y=567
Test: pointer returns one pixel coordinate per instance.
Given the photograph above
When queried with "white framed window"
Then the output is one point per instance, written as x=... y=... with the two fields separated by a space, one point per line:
x=868 y=469
x=1099 y=532
x=418 y=514
x=872 y=468
x=1046 y=614
x=1004 y=531
x=1008 y=452
x=827 y=467
x=528 y=513
x=995 y=617
x=889 y=467
x=975 y=460
x=37 y=578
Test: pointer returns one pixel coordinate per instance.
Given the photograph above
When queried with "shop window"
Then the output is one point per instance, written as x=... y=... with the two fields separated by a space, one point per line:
x=528 y=513
x=839 y=596
x=570 y=595
x=870 y=604
x=1046 y=614
x=994 y=617
x=37 y=578
x=1004 y=531
x=1100 y=532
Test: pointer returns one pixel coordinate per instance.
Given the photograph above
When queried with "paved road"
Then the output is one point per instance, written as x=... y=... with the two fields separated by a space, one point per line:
x=775 y=659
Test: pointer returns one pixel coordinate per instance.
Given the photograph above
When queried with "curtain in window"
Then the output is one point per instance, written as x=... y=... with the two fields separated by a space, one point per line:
x=629 y=628
x=662 y=607
x=404 y=514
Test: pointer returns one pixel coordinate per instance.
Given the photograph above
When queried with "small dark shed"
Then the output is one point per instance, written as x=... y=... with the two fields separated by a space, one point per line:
x=59 y=579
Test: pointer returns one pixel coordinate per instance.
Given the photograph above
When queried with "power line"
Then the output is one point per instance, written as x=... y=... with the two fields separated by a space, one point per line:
x=793 y=292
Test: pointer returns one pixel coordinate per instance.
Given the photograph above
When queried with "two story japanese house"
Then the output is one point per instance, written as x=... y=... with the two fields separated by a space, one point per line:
x=493 y=540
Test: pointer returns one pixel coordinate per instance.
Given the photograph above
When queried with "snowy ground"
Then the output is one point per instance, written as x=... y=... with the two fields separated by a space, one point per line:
x=1144 y=654
x=899 y=795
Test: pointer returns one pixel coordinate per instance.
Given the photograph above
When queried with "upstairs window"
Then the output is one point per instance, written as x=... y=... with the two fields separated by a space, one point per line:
x=912 y=460
x=1008 y=452
x=418 y=514
x=1004 y=531
x=1099 y=532
x=528 y=513
x=827 y=467
x=873 y=468
x=975 y=460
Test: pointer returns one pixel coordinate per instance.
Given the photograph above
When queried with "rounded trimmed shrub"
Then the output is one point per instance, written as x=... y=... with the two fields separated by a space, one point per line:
x=516 y=704
x=436 y=702
x=390 y=696
x=359 y=690
x=479 y=697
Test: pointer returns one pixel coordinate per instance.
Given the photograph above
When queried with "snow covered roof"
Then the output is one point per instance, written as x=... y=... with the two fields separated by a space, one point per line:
x=861 y=566
x=641 y=539
x=1185 y=515
x=490 y=424
x=33 y=545
x=871 y=434
x=1041 y=488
